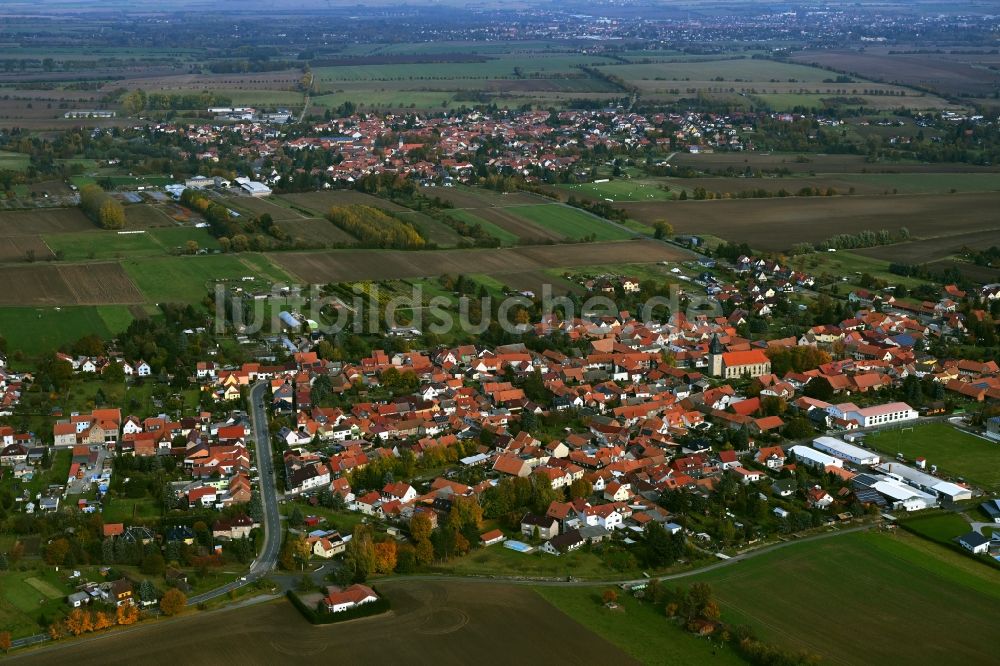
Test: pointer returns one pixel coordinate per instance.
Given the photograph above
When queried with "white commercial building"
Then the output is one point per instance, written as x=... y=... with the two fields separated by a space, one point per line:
x=852 y=454
x=870 y=417
x=925 y=482
x=904 y=497
x=253 y=188
x=814 y=458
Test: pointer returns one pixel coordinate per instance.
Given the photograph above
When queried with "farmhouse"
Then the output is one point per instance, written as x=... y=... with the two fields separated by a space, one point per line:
x=974 y=542
x=337 y=601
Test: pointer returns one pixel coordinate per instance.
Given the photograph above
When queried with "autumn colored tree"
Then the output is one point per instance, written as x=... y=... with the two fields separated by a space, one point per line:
x=173 y=602
x=580 y=488
x=4 y=640
x=127 y=614
x=385 y=557
x=360 y=555
x=424 y=551
x=55 y=552
x=103 y=620
x=112 y=214
x=78 y=622
x=420 y=527
x=609 y=596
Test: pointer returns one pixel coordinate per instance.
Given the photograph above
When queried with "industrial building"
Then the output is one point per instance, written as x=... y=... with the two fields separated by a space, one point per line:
x=814 y=458
x=944 y=490
x=848 y=452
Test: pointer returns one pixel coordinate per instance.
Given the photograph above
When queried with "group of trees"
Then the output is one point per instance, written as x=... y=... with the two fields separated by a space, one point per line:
x=866 y=238
x=796 y=359
x=376 y=228
x=101 y=207
x=82 y=621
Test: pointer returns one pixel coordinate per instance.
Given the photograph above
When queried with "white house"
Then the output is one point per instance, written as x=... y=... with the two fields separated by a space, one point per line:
x=870 y=417
x=841 y=449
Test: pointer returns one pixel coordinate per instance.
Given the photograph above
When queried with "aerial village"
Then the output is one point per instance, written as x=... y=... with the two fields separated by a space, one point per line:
x=686 y=425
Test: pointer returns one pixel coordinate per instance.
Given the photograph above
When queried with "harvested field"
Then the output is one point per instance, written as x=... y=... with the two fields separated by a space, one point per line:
x=933 y=248
x=315 y=230
x=480 y=198
x=321 y=202
x=777 y=224
x=351 y=265
x=435 y=232
x=16 y=248
x=145 y=216
x=430 y=623
x=254 y=206
x=805 y=164
x=72 y=284
x=957 y=74
x=535 y=280
x=43 y=221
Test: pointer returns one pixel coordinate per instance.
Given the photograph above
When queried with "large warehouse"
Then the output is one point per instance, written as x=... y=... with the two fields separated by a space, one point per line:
x=848 y=452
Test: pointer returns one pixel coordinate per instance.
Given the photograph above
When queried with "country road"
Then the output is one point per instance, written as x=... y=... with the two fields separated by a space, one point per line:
x=268 y=557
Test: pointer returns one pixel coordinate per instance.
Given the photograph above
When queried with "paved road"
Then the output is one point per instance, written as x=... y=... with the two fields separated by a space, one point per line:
x=268 y=557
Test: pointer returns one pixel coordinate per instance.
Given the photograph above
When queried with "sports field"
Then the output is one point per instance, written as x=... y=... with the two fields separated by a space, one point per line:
x=188 y=279
x=954 y=452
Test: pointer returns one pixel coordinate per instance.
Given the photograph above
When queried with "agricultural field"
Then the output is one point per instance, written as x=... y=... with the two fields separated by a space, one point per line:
x=35 y=330
x=313 y=231
x=145 y=216
x=96 y=244
x=345 y=266
x=846 y=573
x=512 y=224
x=322 y=202
x=618 y=190
x=955 y=453
x=466 y=197
x=472 y=218
x=777 y=224
x=812 y=164
x=24 y=248
x=942 y=527
x=443 y=622
x=252 y=206
x=67 y=284
x=571 y=222
x=189 y=279
x=43 y=221
x=639 y=629
x=434 y=231
x=954 y=74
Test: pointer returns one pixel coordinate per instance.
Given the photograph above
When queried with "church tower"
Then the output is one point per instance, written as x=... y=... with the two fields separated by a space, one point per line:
x=715 y=352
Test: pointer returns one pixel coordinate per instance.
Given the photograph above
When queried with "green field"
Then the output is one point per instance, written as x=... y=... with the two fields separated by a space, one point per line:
x=570 y=222
x=35 y=330
x=103 y=245
x=940 y=527
x=862 y=598
x=954 y=452
x=13 y=161
x=23 y=601
x=497 y=232
x=126 y=510
x=174 y=238
x=620 y=190
x=640 y=629
x=188 y=279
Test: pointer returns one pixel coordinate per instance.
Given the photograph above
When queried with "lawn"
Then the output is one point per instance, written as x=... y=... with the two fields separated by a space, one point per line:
x=640 y=629
x=175 y=238
x=940 y=527
x=861 y=598
x=570 y=222
x=122 y=510
x=189 y=279
x=342 y=521
x=954 y=452
x=13 y=161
